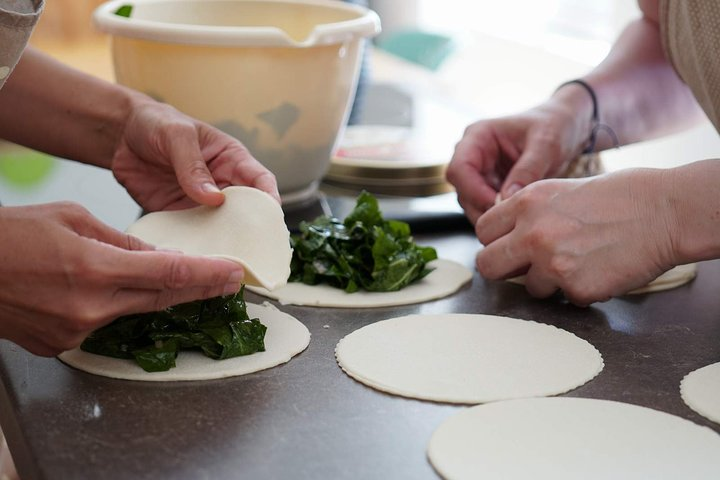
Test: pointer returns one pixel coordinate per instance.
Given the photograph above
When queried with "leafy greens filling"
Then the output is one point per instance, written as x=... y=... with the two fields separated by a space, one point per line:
x=218 y=327
x=124 y=11
x=364 y=251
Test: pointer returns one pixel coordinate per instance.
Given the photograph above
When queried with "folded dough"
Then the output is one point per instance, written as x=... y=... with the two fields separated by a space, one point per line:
x=248 y=228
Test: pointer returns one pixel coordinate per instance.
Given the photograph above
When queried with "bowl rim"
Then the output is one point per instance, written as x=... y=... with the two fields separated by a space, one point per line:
x=366 y=25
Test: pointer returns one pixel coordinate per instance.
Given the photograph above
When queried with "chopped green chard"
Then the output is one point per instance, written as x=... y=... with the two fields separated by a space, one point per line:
x=218 y=327
x=364 y=251
x=124 y=11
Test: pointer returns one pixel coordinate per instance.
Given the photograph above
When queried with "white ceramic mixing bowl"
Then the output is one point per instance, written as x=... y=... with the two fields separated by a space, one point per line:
x=279 y=75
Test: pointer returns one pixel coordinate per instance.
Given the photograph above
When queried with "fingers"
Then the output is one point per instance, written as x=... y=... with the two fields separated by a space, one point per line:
x=142 y=301
x=503 y=258
x=233 y=164
x=266 y=182
x=475 y=202
x=153 y=281
x=167 y=270
x=191 y=170
x=532 y=166
x=539 y=284
x=85 y=224
x=471 y=172
x=495 y=223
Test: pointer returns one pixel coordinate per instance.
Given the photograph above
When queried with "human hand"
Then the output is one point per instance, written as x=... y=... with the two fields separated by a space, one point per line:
x=591 y=238
x=506 y=154
x=167 y=160
x=64 y=274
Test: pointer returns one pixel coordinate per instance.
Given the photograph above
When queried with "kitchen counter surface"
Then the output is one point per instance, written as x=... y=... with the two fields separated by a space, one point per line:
x=307 y=419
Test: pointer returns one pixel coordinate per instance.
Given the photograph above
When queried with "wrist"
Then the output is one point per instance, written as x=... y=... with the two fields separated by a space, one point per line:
x=573 y=108
x=600 y=134
x=125 y=103
x=576 y=106
x=695 y=211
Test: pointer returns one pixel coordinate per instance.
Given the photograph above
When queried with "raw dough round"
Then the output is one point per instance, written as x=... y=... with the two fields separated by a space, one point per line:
x=248 y=228
x=572 y=438
x=675 y=277
x=446 y=279
x=285 y=338
x=464 y=358
x=700 y=390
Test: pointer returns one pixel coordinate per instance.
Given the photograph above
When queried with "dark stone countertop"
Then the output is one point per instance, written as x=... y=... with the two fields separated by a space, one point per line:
x=307 y=419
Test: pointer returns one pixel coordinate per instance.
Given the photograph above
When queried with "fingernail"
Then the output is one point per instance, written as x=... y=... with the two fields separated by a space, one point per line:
x=236 y=277
x=513 y=189
x=231 y=289
x=210 y=188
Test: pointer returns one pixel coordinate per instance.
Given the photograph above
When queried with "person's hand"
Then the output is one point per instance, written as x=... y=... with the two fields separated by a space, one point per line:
x=591 y=238
x=167 y=160
x=65 y=274
x=506 y=154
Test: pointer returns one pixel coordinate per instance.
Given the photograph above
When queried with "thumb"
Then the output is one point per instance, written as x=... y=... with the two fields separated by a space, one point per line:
x=191 y=170
x=530 y=167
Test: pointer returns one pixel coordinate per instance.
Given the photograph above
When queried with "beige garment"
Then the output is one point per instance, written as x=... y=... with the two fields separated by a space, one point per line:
x=690 y=32
x=17 y=20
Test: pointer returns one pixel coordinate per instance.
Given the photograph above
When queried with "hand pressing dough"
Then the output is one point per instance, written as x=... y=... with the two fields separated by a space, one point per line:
x=590 y=165
x=285 y=338
x=464 y=358
x=673 y=278
x=570 y=439
x=248 y=228
x=446 y=279
x=700 y=390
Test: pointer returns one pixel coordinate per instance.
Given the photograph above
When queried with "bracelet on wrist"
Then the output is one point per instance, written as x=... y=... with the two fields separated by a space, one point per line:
x=596 y=124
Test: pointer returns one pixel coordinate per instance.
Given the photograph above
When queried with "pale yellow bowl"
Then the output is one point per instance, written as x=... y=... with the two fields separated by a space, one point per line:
x=279 y=75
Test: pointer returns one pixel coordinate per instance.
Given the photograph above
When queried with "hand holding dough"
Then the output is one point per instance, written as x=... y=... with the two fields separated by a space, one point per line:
x=248 y=228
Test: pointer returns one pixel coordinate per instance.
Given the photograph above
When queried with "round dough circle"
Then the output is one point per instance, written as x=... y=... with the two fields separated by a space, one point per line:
x=465 y=358
x=700 y=390
x=445 y=280
x=572 y=438
x=285 y=338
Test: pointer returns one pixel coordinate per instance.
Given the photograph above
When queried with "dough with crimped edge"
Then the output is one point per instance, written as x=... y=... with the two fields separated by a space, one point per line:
x=700 y=390
x=467 y=358
x=285 y=338
x=446 y=278
x=569 y=439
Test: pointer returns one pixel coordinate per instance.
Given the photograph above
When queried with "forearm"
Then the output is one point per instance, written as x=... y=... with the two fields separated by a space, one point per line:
x=640 y=96
x=53 y=108
x=695 y=210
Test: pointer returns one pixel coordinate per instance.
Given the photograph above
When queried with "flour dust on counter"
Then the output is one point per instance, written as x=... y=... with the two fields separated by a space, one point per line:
x=285 y=337
x=467 y=358
x=700 y=390
x=571 y=438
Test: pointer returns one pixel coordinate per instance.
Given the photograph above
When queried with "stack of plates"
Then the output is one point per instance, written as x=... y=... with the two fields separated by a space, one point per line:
x=389 y=160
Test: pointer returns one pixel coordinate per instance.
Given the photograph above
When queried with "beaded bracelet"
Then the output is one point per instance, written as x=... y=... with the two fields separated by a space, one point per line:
x=597 y=126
